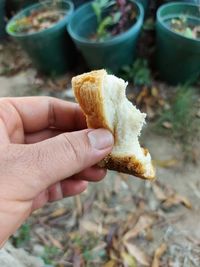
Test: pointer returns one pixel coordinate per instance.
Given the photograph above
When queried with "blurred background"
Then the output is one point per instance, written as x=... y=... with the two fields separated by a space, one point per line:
x=155 y=46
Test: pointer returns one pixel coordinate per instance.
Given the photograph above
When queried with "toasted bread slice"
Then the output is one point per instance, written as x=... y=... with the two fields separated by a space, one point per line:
x=103 y=100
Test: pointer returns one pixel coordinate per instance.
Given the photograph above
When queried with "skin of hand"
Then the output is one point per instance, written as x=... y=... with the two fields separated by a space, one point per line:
x=46 y=153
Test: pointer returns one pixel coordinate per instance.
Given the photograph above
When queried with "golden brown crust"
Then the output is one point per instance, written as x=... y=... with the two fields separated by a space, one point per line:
x=87 y=89
x=129 y=165
x=88 y=94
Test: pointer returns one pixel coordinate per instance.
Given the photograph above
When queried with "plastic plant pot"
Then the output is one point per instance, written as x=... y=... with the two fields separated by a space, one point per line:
x=196 y=2
x=112 y=53
x=51 y=50
x=178 y=57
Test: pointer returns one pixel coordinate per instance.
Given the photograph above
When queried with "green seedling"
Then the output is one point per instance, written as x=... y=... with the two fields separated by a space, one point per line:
x=99 y=6
x=113 y=17
x=137 y=73
x=22 y=236
x=105 y=23
x=50 y=252
x=184 y=126
x=182 y=26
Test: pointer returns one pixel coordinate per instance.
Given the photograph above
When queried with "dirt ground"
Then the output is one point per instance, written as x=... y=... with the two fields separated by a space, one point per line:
x=121 y=221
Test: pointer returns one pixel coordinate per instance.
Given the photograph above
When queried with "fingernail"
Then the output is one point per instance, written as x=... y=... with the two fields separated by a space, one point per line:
x=100 y=139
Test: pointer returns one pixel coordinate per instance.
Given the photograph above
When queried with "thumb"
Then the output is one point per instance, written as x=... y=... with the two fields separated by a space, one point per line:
x=69 y=153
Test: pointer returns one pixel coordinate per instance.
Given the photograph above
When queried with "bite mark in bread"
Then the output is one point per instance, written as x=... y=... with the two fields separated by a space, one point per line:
x=103 y=100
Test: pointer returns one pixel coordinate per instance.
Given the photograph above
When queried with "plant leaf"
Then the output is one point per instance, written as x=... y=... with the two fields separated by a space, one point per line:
x=167 y=125
x=166 y=163
x=137 y=253
x=116 y=17
x=110 y=263
x=158 y=254
x=97 y=10
x=159 y=193
x=107 y=21
x=177 y=199
x=128 y=260
x=145 y=221
x=93 y=227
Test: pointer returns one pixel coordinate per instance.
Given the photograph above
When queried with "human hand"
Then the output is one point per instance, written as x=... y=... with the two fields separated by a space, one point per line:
x=45 y=154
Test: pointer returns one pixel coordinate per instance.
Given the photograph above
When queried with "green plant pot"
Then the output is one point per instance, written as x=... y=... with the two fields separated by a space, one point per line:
x=178 y=57
x=111 y=54
x=51 y=50
x=2 y=20
x=196 y=2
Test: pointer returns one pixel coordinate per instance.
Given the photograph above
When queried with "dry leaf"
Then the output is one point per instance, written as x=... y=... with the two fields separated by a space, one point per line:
x=145 y=221
x=185 y=201
x=110 y=263
x=100 y=246
x=158 y=254
x=165 y=163
x=113 y=255
x=93 y=227
x=128 y=260
x=77 y=258
x=43 y=238
x=167 y=125
x=161 y=102
x=177 y=199
x=137 y=253
x=61 y=84
x=142 y=94
x=78 y=203
x=103 y=207
x=58 y=212
x=115 y=243
x=149 y=234
x=198 y=113
x=154 y=92
x=195 y=189
x=150 y=112
x=55 y=242
x=159 y=193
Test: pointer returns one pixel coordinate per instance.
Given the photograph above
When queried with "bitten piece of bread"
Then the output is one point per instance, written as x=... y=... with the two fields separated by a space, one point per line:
x=103 y=100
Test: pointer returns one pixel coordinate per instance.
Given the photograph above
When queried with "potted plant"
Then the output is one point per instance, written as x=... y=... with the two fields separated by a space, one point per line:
x=2 y=19
x=178 y=42
x=41 y=31
x=106 y=32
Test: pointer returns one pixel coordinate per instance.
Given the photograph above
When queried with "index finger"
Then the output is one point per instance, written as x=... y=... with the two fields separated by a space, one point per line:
x=38 y=113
